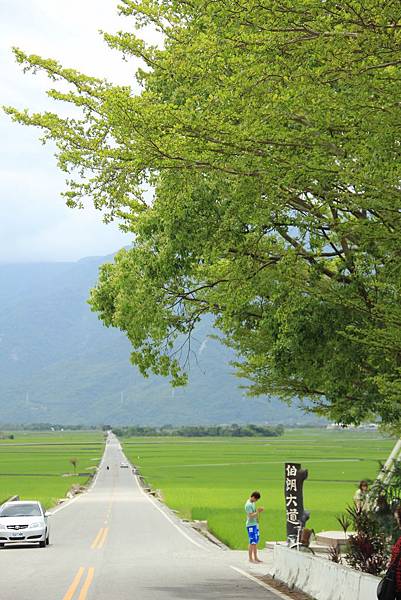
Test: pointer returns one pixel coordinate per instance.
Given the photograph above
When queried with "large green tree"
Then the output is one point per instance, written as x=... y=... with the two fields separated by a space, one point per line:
x=269 y=134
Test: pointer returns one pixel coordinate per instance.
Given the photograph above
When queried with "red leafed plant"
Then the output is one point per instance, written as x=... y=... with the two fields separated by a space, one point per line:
x=367 y=549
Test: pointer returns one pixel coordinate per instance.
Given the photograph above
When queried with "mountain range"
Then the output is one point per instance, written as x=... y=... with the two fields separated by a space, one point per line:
x=59 y=364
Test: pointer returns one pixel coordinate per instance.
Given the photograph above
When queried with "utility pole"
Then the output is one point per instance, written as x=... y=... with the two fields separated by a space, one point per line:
x=387 y=471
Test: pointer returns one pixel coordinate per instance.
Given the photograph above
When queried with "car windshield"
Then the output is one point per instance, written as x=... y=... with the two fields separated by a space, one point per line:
x=20 y=510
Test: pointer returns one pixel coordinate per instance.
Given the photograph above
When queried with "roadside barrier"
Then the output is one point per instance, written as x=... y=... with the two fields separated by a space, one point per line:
x=321 y=578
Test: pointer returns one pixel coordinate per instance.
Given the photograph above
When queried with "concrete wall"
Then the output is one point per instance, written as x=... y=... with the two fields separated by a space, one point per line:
x=321 y=578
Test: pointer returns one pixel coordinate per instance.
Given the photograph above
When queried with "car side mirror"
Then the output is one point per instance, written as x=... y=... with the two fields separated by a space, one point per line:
x=48 y=514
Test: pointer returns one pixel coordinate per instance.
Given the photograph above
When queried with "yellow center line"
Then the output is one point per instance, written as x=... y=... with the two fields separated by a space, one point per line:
x=74 y=585
x=103 y=538
x=97 y=539
x=87 y=584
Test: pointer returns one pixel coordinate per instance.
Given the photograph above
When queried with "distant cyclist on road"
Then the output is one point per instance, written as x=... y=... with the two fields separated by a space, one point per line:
x=252 y=525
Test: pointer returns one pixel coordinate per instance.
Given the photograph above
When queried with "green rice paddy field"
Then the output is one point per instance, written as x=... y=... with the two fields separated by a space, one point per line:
x=36 y=465
x=210 y=479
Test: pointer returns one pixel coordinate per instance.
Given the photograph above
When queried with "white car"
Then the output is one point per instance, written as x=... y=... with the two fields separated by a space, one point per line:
x=124 y=466
x=24 y=522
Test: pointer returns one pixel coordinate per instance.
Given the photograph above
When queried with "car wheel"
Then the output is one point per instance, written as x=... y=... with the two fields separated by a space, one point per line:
x=42 y=544
x=1 y=545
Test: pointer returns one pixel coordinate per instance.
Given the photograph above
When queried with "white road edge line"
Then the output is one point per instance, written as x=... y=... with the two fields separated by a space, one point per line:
x=261 y=583
x=168 y=518
x=166 y=515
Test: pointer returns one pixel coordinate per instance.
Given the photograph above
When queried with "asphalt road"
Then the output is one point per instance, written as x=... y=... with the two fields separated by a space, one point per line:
x=116 y=543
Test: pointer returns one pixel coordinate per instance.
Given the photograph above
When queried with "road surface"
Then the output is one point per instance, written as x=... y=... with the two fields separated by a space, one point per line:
x=116 y=543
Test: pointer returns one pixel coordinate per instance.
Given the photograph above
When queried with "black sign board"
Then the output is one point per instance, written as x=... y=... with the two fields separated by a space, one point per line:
x=294 y=501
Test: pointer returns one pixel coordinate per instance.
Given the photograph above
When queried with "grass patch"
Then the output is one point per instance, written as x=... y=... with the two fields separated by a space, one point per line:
x=211 y=478
x=34 y=465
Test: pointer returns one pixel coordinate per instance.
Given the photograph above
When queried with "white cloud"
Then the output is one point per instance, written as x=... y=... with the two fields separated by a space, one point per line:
x=34 y=222
x=71 y=236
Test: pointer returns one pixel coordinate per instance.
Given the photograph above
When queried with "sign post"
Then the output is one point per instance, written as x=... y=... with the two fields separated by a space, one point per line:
x=294 y=501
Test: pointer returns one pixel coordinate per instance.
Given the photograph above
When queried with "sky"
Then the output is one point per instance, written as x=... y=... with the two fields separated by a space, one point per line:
x=35 y=224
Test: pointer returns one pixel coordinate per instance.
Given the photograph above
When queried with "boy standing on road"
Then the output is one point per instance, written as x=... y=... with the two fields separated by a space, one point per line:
x=252 y=525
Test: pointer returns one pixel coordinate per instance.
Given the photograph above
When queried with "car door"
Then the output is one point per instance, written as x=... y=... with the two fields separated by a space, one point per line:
x=45 y=517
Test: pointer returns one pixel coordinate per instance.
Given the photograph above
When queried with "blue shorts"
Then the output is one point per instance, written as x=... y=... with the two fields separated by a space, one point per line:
x=253 y=534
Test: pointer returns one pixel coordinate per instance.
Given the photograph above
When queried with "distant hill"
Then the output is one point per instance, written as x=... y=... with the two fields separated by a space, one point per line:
x=59 y=364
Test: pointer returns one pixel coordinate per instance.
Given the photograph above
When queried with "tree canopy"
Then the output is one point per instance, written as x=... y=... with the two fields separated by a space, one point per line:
x=269 y=135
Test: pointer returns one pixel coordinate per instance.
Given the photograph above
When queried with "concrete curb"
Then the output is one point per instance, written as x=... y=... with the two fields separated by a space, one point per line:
x=202 y=528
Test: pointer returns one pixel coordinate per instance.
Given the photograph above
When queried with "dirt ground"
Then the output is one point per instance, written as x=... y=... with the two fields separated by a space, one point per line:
x=281 y=587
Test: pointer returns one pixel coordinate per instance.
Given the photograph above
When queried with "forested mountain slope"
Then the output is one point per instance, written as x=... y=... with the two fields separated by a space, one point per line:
x=58 y=363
